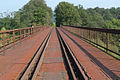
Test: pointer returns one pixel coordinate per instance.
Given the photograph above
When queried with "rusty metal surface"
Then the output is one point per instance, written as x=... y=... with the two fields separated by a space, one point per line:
x=12 y=36
x=74 y=68
x=90 y=68
x=105 y=39
x=91 y=62
x=16 y=58
x=53 y=67
x=114 y=31
x=105 y=63
x=29 y=69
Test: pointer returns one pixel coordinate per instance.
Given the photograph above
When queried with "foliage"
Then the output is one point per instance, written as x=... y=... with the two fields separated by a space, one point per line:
x=83 y=15
x=5 y=22
x=113 y=24
x=34 y=12
x=67 y=14
x=40 y=16
x=1 y=36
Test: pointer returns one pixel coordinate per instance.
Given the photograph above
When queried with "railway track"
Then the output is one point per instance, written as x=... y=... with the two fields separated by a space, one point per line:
x=54 y=60
x=76 y=72
x=61 y=56
x=30 y=70
x=110 y=69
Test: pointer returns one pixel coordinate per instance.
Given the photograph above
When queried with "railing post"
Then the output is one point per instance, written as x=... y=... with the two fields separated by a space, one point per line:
x=14 y=38
x=8 y=38
x=94 y=36
x=90 y=34
x=20 y=35
x=24 y=32
x=82 y=32
x=3 y=37
x=85 y=34
x=28 y=32
x=31 y=30
x=97 y=38
x=79 y=32
x=107 y=44
x=42 y=28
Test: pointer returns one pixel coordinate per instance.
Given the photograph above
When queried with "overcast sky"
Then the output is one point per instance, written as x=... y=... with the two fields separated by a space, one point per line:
x=14 y=5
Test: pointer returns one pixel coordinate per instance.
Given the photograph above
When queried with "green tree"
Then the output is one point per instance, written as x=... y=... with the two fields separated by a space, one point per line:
x=1 y=35
x=107 y=15
x=83 y=15
x=34 y=11
x=95 y=19
x=113 y=24
x=40 y=16
x=67 y=14
x=31 y=12
x=5 y=22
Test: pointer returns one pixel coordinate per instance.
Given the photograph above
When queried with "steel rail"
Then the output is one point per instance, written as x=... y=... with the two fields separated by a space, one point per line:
x=40 y=60
x=76 y=70
x=106 y=40
x=95 y=60
x=29 y=71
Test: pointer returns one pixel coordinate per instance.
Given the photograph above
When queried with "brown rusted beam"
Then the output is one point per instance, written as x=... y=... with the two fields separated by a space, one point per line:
x=113 y=31
x=20 y=35
x=107 y=43
x=3 y=42
x=90 y=34
x=31 y=30
x=14 y=38
x=28 y=32
x=8 y=39
x=25 y=33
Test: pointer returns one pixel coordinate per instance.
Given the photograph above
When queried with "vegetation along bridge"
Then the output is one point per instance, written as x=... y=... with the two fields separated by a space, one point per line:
x=63 y=53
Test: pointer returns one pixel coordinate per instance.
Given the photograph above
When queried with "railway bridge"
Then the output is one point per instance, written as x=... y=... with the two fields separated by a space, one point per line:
x=60 y=53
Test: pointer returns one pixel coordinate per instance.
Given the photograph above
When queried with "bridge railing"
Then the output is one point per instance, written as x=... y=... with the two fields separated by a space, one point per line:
x=107 y=40
x=10 y=37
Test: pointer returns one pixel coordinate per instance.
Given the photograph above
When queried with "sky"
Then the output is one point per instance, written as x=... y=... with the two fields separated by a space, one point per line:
x=15 y=5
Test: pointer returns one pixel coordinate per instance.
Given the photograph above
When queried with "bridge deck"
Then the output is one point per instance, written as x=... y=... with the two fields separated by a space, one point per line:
x=53 y=67
x=91 y=62
x=13 y=62
x=109 y=65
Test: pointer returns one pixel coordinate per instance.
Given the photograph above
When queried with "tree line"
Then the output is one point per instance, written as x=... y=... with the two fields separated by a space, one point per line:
x=35 y=12
x=68 y=14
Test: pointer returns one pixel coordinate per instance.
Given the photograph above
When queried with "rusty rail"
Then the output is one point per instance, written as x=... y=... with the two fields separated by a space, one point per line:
x=10 y=37
x=107 y=40
x=75 y=69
